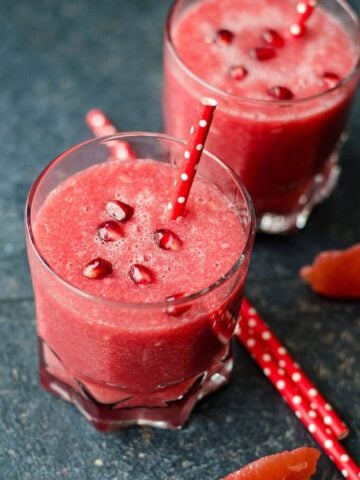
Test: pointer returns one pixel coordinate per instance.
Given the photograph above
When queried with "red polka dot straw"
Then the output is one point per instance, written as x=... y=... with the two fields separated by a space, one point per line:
x=301 y=406
x=191 y=157
x=100 y=125
x=293 y=370
x=304 y=9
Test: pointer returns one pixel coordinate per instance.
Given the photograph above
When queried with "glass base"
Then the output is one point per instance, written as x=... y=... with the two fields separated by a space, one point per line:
x=109 y=407
x=316 y=191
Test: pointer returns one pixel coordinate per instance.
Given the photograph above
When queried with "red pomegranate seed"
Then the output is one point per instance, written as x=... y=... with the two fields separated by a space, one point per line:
x=122 y=212
x=263 y=53
x=97 y=268
x=281 y=93
x=167 y=240
x=140 y=274
x=224 y=37
x=110 y=231
x=273 y=38
x=237 y=72
x=331 y=79
x=174 y=310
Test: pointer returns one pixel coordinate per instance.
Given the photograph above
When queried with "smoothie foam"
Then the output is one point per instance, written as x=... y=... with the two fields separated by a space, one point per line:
x=66 y=231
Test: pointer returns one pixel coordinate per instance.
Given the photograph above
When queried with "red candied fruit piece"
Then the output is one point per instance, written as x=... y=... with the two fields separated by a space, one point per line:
x=273 y=38
x=335 y=273
x=281 y=93
x=263 y=53
x=238 y=72
x=299 y=464
x=110 y=231
x=224 y=37
x=175 y=310
x=167 y=240
x=331 y=79
x=98 y=268
x=120 y=211
x=141 y=275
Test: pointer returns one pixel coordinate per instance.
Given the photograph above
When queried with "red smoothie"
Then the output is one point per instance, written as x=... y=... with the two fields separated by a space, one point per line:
x=109 y=340
x=283 y=101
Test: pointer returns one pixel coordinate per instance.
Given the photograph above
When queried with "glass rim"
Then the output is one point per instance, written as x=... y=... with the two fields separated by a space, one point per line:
x=294 y=101
x=250 y=233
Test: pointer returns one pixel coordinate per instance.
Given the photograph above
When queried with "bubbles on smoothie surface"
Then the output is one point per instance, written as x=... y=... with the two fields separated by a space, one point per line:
x=245 y=48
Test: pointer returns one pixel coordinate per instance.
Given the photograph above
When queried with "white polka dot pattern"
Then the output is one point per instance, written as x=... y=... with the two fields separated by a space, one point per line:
x=312 y=392
x=301 y=7
x=191 y=156
x=260 y=330
x=304 y=9
x=299 y=400
x=280 y=384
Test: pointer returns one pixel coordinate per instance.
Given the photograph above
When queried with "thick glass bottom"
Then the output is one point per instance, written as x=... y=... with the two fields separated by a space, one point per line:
x=111 y=407
x=317 y=190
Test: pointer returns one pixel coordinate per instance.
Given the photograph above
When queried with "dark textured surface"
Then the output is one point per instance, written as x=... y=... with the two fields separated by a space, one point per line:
x=58 y=60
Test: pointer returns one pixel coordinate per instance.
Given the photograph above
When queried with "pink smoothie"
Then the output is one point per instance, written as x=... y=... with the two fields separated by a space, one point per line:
x=108 y=351
x=276 y=145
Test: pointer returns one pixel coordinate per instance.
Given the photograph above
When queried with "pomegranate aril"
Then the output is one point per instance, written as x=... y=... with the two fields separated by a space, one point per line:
x=281 y=93
x=97 y=268
x=331 y=79
x=122 y=212
x=141 y=275
x=273 y=38
x=110 y=231
x=238 y=72
x=224 y=37
x=263 y=53
x=167 y=240
x=174 y=310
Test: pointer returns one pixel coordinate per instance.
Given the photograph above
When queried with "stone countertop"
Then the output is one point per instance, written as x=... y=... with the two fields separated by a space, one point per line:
x=59 y=59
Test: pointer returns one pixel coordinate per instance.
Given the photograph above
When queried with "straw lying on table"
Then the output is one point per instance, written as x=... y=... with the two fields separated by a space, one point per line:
x=296 y=389
x=293 y=370
x=284 y=373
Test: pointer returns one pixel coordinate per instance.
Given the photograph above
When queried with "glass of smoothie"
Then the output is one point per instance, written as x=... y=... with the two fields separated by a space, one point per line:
x=135 y=312
x=283 y=101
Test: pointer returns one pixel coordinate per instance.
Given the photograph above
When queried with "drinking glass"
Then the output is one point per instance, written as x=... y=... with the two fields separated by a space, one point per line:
x=286 y=152
x=135 y=363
